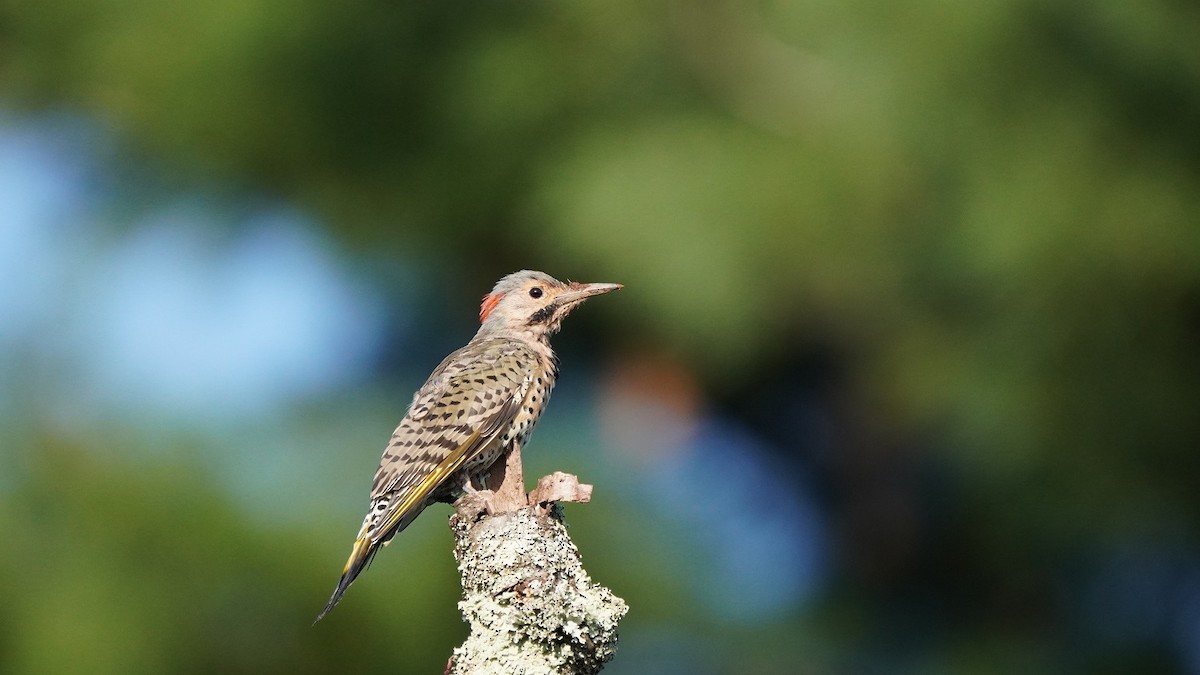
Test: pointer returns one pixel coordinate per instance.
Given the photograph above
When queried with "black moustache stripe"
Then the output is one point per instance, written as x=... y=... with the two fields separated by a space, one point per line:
x=544 y=314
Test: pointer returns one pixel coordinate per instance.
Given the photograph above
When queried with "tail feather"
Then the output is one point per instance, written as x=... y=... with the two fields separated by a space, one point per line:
x=365 y=548
x=360 y=558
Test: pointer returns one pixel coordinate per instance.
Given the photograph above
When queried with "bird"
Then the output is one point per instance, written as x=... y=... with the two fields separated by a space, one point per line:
x=479 y=402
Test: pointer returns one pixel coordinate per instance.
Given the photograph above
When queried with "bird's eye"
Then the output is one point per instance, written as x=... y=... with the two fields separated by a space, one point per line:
x=535 y=292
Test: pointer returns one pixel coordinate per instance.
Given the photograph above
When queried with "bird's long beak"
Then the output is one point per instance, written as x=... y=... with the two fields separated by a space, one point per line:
x=576 y=291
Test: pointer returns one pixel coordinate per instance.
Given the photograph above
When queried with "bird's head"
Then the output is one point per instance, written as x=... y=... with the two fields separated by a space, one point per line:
x=533 y=302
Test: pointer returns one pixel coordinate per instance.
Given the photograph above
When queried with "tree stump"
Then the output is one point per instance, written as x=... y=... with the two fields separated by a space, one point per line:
x=531 y=606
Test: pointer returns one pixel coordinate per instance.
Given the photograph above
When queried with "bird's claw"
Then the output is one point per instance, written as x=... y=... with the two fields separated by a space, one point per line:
x=475 y=505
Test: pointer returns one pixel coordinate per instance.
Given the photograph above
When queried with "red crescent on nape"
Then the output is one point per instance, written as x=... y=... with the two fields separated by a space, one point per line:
x=489 y=303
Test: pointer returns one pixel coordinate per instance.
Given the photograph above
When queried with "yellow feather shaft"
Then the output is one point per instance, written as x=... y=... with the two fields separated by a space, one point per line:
x=421 y=490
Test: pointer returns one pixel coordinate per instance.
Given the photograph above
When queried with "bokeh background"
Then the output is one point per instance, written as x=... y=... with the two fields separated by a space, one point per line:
x=905 y=377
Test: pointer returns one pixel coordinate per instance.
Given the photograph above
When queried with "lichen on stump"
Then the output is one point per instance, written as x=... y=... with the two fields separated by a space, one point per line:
x=531 y=606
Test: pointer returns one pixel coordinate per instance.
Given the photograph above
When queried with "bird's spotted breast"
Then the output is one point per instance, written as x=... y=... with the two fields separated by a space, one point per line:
x=518 y=430
x=531 y=410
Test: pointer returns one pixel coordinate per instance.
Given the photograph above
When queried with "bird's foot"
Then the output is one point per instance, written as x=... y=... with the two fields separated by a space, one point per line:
x=474 y=505
x=509 y=495
x=475 y=483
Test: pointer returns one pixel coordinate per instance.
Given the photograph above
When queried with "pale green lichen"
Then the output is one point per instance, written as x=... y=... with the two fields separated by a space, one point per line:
x=531 y=606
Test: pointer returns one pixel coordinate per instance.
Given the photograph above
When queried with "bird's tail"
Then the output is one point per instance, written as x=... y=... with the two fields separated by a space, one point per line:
x=360 y=558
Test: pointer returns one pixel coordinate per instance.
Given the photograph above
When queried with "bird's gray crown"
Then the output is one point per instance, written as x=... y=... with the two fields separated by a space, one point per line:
x=516 y=280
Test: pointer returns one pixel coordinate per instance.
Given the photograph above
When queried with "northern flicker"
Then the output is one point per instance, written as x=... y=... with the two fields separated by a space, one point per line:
x=477 y=404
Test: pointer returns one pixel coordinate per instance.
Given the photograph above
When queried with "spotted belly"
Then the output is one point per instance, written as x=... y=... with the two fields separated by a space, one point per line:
x=518 y=431
x=527 y=417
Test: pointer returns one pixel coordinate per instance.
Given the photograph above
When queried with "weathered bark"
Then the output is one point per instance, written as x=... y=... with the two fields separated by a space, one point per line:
x=531 y=606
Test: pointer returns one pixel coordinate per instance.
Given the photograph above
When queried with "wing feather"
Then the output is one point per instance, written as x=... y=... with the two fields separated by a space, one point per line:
x=461 y=410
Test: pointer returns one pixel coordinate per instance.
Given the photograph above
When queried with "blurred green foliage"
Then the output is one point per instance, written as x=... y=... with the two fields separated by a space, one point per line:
x=989 y=212
x=117 y=567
